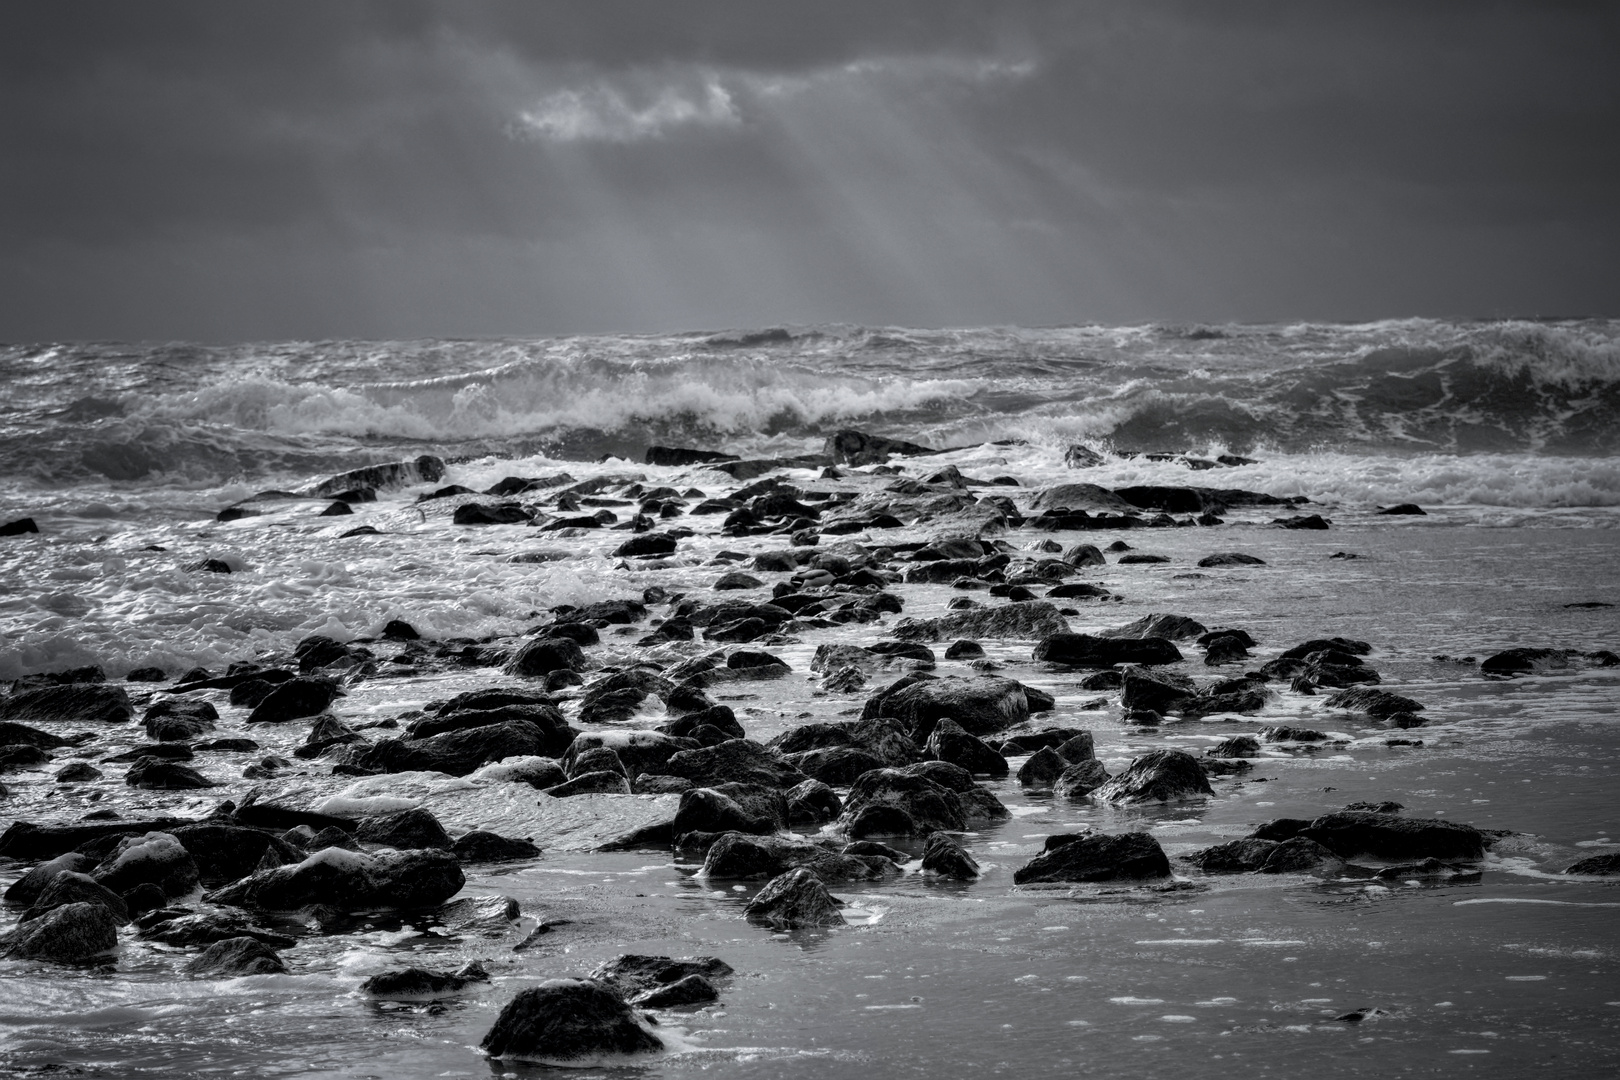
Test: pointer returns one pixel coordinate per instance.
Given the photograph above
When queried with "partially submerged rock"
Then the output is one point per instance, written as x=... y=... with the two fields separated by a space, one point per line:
x=1157 y=776
x=797 y=900
x=1091 y=857
x=564 y=1020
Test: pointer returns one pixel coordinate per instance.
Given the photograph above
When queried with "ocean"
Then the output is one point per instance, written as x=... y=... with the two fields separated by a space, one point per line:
x=1506 y=433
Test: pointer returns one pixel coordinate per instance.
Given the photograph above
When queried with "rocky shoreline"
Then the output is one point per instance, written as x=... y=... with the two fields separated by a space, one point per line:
x=615 y=712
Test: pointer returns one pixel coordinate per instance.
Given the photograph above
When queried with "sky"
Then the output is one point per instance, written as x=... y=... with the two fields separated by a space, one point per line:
x=402 y=169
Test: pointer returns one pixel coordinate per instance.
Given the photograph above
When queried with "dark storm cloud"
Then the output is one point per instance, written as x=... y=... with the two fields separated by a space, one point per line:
x=394 y=168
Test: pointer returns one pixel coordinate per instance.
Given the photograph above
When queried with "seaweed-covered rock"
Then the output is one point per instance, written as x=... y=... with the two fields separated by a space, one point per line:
x=796 y=900
x=1093 y=857
x=565 y=1020
x=234 y=957
x=1157 y=776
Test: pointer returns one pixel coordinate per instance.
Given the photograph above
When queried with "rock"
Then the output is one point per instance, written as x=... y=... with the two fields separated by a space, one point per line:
x=1096 y=857
x=1284 y=733
x=151 y=772
x=1607 y=864
x=1377 y=703
x=718 y=717
x=949 y=742
x=1025 y=620
x=705 y=810
x=156 y=857
x=544 y=655
x=812 y=803
x=942 y=855
x=594 y=759
x=1089 y=650
x=1079 y=781
x=350 y=881
x=235 y=957
x=602 y=782
x=1513 y=662
x=1168 y=627
x=797 y=900
x=1157 y=776
x=458 y=753
x=19 y=527
x=692 y=990
x=70 y=934
x=739 y=856
x=1078 y=748
x=565 y=1020
x=964 y=650
x=1082 y=555
x=405 y=830
x=1388 y=836
x=76 y=703
x=1235 y=746
x=143 y=898
x=660 y=982
x=1162 y=692
x=205 y=928
x=1079 y=497
x=734 y=761
x=22 y=735
x=856 y=448
x=422 y=983
x=736 y=579
x=70 y=887
x=1230 y=558
x=26 y=889
x=647 y=545
x=482 y=846
x=1042 y=769
x=890 y=802
x=1235 y=856
x=982 y=706
x=679 y=456
x=1299 y=855
x=225 y=853
x=22 y=756
x=1405 y=508
x=537 y=772
x=295 y=699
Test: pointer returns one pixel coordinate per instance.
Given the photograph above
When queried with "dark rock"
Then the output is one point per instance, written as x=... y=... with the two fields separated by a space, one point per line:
x=478 y=513
x=736 y=579
x=679 y=456
x=70 y=934
x=235 y=957
x=143 y=898
x=1513 y=662
x=710 y=811
x=422 y=983
x=1157 y=776
x=1299 y=855
x=1079 y=781
x=692 y=990
x=638 y=977
x=735 y=761
x=294 y=700
x=720 y=717
x=1161 y=692
x=350 y=881
x=1168 y=627
x=1377 y=703
x=647 y=545
x=839 y=765
x=1230 y=558
x=813 y=802
x=565 y=1020
x=22 y=756
x=1024 y=620
x=71 y=703
x=1387 y=836
x=1404 y=508
x=944 y=856
x=856 y=448
x=1284 y=733
x=1233 y=857
x=481 y=846
x=460 y=752
x=544 y=655
x=19 y=527
x=1236 y=746
x=26 y=889
x=594 y=759
x=982 y=706
x=69 y=887
x=151 y=772
x=603 y=782
x=964 y=650
x=156 y=857
x=891 y=802
x=1607 y=864
x=174 y=927
x=949 y=742
x=738 y=856
x=1096 y=857
x=225 y=853
x=1042 y=769
x=1089 y=650
x=406 y=830
x=794 y=901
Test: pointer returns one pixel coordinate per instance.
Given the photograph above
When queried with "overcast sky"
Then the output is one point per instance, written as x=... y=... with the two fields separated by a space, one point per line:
x=229 y=171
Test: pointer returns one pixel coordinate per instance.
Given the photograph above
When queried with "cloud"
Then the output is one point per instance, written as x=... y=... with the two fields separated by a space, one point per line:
x=606 y=113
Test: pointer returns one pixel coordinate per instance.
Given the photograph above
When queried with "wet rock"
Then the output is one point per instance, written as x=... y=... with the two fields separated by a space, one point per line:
x=716 y=717
x=143 y=898
x=949 y=742
x=1091 y=857
x=205 y=928
x=350 y=881
x=739 y=856
x=1404 y=508
x=1376 y=703
x=964 y=650
x=72 y=703
x=647 y=545
x=709 y=811
x=856 y=448
x=981 y=706
x=891 y=802
x=70 y=934
x=1157 y=776
x=151 y=772
x=736 y=579
x=1168 y=627
x=691 y=990
x=839 y=765
x=657 y=982
x=12 y=734
x=480 y=513
x=1090 y=650
x=594 y=759
x=458 y=753
x=1233 y=857
x=22 y=756
x=1230 y=558
x=295 y=699
x=405 y=830
x=942 y=855
x=422 y=983
x=544 y=655
x=1079 y=781
x=602 y=782
x=235 y=957
x=1607 y=864
x=1235 y=746
x=482 y=846
x=680 y=456
x=1299 y=855
x=797 y=900
x=70 y=887
x=1042 y=769
x=735 y=761
x=812 y=803
x=565 y=1020
x=26 y=889
x=1078 y=497
x=156 y=857
x=20 y=527
x=1024 y=620
x=1079 y=748
x=1162 y=692
x=226 y=853
x=1388 y=836
x=1512 y=662
x=1284 y=733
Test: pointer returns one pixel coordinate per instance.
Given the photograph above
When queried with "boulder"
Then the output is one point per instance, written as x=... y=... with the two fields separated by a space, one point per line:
x=1162 y=692
x=565 y=1020
x=1389 y=836
x=892 y=802
x=75 y=888
x=1607 y=864
x=544 y=655
x=70 y=934
x=949 y=742
x=838 y=765
x=350 y=881
x=639 y=751
x=414 y=983
x=426 y=469
x=458 y=753
x=1079 y=781
x=856 y=448
x=156 y=857
x=1234 y=856
x=658 y=982
x=601 y=782
x=26 y=889
x=207 y=927
x=796 y=900
x=482 y=846
x=705 y=810
x=1168 y=627
x=1157 y=776
x=1299 y=855
x=1095 y=857
x=942 y=855
x=1042 y=769
x=1090 y=650
x=76 y=703
x=1376 y=703
x=225 y=853
x=1025 y=620
x=235 y=957
x=734 y=761
x=812 y=803
x=405 y=830
x=1230 y=558
x=981 y=706
x=295 y=699
x=738 y=856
